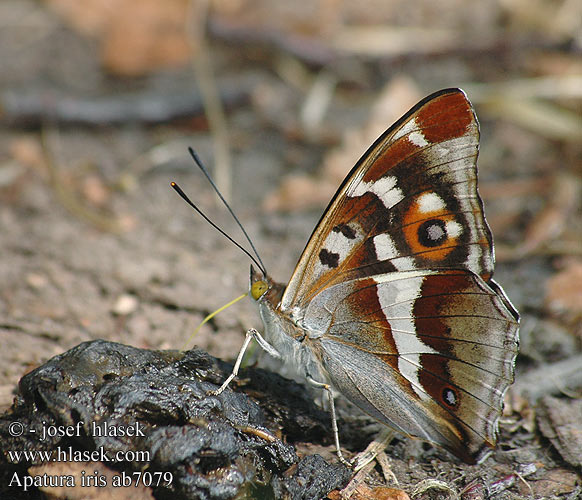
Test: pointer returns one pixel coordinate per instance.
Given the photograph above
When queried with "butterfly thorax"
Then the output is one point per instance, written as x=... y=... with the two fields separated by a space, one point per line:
x=282 y=330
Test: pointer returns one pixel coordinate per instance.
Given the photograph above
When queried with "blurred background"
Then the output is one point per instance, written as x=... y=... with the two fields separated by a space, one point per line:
x=99 y=100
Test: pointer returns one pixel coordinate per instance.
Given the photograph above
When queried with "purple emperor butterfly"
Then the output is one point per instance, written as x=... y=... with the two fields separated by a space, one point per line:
x=392 y=302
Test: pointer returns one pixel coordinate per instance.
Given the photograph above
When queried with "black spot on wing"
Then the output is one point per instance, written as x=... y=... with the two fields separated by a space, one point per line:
x=329 y=259
x=346 y=230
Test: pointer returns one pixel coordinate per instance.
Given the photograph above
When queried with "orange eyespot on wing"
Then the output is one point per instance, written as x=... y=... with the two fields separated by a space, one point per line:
x=430 y=229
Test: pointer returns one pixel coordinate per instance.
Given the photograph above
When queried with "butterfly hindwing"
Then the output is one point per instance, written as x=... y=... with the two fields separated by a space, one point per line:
x=441 y=344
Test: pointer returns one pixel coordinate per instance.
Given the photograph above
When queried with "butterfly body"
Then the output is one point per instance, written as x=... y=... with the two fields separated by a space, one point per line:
x=392 y=301
x=289 y=339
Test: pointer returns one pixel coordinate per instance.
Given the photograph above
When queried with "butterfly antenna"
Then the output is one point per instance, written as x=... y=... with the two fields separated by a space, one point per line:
x=207 y=175
x=184 y=196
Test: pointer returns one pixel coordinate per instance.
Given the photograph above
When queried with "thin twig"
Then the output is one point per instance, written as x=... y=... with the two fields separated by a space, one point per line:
x=32 y=108
x=196 y=29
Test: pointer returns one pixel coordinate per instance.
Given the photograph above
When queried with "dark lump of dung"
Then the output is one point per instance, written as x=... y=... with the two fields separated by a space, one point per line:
x=212 y=445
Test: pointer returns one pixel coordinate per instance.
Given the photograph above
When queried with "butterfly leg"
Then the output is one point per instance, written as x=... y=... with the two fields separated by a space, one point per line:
x=334 y=428
x=250 y=335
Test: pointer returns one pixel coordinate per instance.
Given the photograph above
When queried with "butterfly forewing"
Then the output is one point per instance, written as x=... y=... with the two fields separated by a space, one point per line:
x=411 y=202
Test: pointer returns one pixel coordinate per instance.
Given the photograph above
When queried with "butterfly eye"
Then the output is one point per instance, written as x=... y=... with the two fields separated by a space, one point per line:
x=258 y=289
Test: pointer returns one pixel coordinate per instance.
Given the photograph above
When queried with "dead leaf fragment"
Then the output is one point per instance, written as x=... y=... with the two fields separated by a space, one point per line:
x=135 y=36
x=560 y=421
x=364 y=492
x=298 y=193
x=555 y=482
x=551 y=221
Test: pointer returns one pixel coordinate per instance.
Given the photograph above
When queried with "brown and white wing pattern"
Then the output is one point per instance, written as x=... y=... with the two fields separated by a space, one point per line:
x=394 y=287
x=430 y=353
x=411 y=202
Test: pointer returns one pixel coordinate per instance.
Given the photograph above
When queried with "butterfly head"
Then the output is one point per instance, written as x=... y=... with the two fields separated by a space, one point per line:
x=262 y=288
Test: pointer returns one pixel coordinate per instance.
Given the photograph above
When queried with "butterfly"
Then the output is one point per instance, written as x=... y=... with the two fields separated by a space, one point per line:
x=392 y=302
